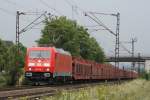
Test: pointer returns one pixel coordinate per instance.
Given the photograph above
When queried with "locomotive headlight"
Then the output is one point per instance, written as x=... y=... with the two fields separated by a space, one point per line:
x=47 y=69
x=28 y=74
x=31 y=64
x=46 y=64
x=30 y=69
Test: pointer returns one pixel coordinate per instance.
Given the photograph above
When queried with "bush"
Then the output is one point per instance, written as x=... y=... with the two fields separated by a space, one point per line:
x=7 y=79
x=145 y=75
x=3 y=80
x=23 y=80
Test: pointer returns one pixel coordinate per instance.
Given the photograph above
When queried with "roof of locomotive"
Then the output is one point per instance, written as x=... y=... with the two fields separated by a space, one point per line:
x=57 y=50
x=38 y=48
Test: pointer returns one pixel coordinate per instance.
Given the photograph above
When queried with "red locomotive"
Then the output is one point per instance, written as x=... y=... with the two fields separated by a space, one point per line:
x=51 y=64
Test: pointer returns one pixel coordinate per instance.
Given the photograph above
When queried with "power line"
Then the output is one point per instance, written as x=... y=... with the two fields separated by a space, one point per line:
x=77 y=6
x=97 y=20
x=13 y=14
x=91 y=26
x=32 y=13
x=125 y=48
x=74 y=4
x=48 y=6
x=28 y=27
x=32 y=24
x=7 y=11
x=68 y=2
x=75 y=9
x=116 y=34
x=100 y=23
x=93 y=30
x=103 y=13
x=13 y=3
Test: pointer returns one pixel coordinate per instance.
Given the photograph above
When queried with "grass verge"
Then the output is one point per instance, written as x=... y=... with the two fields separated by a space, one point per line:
x=133 y=90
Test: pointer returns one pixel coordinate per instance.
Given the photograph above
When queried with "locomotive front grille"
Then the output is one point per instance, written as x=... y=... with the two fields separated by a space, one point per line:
x=37 y=74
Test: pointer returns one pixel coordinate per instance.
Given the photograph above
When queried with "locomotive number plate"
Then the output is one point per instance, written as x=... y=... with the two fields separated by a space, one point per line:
x=38 y=69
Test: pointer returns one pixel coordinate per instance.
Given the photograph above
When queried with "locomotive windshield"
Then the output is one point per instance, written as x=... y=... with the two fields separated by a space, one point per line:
x=39 y=54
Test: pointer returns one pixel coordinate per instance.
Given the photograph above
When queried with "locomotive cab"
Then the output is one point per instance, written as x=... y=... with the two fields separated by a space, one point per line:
x=48 y=64
x=39 y=63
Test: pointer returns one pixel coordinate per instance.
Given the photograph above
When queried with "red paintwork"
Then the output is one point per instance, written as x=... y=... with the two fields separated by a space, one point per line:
x=63 y=64
x=80 y=69
x=98 y=71
x=37 y=68
x=58 y=62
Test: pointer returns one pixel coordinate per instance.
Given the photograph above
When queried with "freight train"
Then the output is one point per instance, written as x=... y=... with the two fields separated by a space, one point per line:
x=49 y=64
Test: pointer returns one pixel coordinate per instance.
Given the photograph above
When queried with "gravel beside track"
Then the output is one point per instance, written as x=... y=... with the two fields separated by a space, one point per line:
x=25 y=92
x=18 y=87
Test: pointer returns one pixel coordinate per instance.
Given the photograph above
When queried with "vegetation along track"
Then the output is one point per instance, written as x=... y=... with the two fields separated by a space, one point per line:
x=40 y=91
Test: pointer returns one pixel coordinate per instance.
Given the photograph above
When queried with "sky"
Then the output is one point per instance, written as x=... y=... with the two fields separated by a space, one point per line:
x=134 y=20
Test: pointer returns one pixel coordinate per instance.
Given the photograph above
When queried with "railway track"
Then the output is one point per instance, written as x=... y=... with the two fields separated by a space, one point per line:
x=17 y=87
x=40 y=91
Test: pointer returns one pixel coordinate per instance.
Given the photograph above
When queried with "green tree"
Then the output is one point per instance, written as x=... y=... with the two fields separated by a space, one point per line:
x=67 y=34
x=21 y=56
x=3 y=50
x=10 y=63
x=11 y=68
x=15 y=63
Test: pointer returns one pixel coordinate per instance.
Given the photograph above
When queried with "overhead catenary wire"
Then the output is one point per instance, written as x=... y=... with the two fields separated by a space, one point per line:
x=33 y=12
x=33 y=22
x=125 y=48
x=7 y=11
x=76 y=9
x=74 y=4
x=97 y=20
x=100 y=23
x=68 y=2
x=12 y=2
x=48 y=6
x=103 y=25
x=82 y=10
x=103 y=13
x=94 y=30
x=13 y=13
x=91 y=26
x=16 y=4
